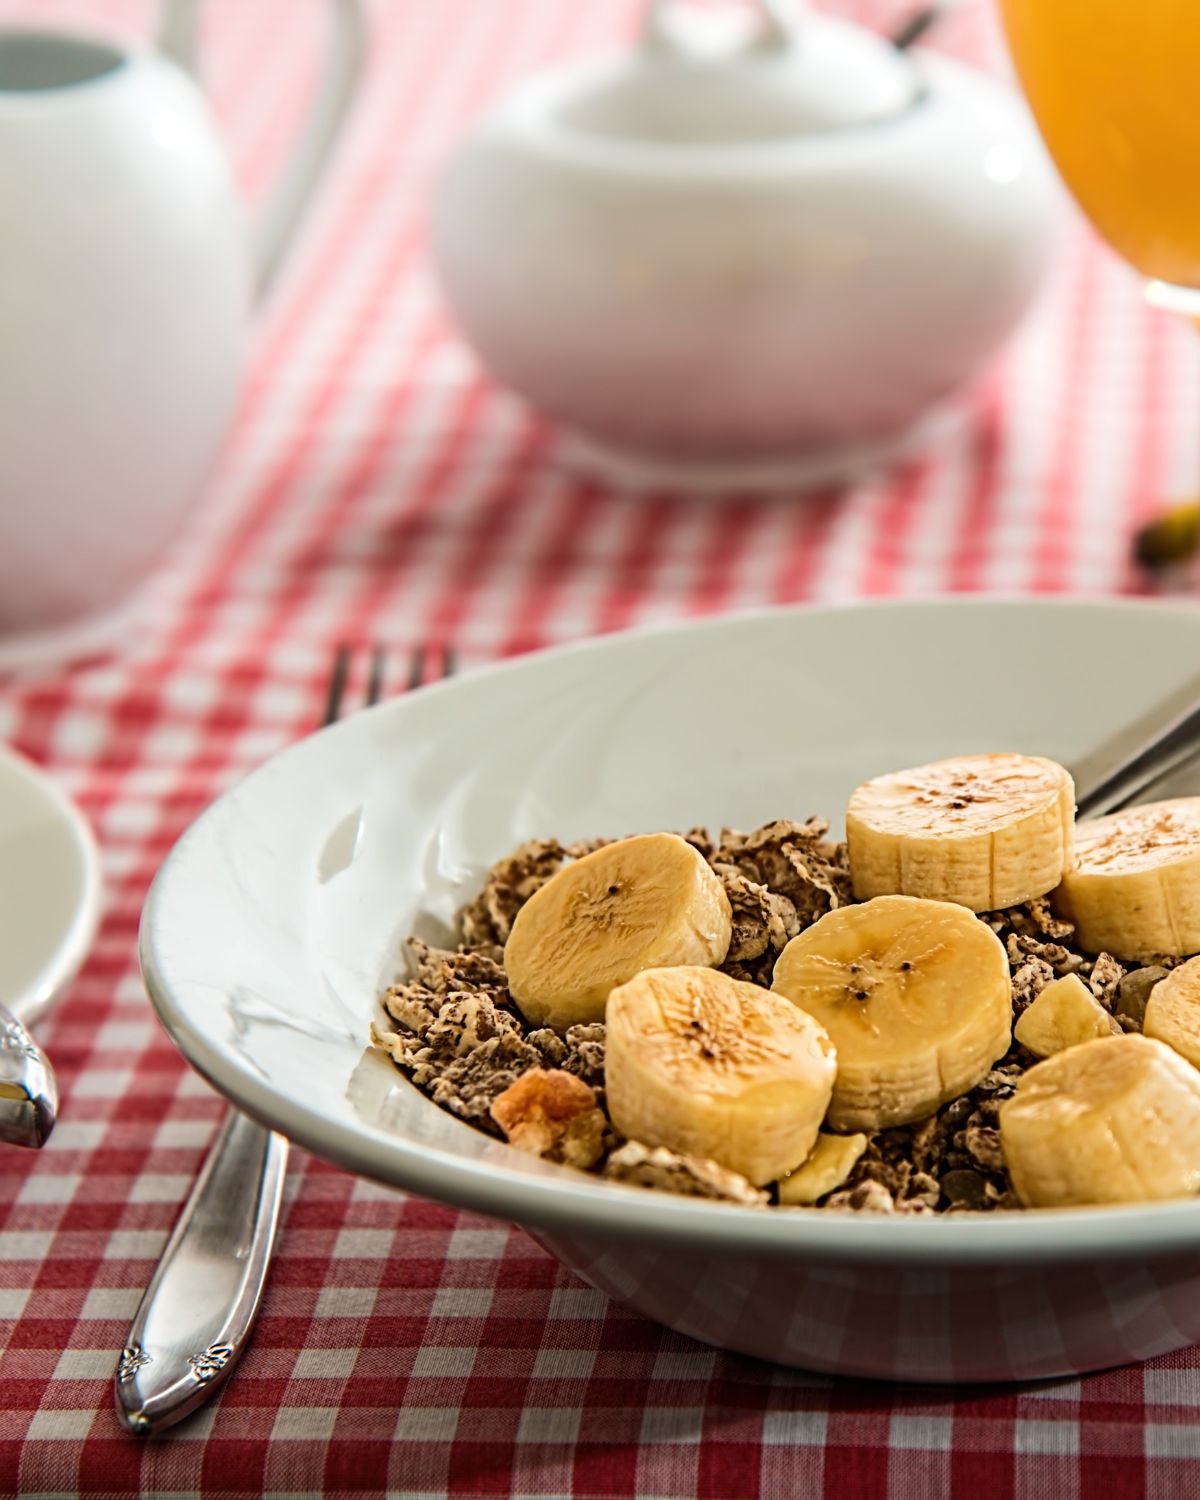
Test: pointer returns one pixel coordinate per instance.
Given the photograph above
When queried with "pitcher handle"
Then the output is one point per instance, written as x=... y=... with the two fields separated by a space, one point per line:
x=178 y=39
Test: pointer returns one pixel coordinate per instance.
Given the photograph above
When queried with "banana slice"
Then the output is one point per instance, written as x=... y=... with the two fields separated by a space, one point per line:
x=643 y=903
x=1173 y=1011
x=829 y=1164
x=1065 y=1014
x=1113 y=1121
x=712 y=1067
x=916 y=997
x=1135 y=888
x=986 y=831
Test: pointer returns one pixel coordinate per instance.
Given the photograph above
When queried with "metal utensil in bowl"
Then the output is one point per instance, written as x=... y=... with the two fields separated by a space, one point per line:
x=921 y=22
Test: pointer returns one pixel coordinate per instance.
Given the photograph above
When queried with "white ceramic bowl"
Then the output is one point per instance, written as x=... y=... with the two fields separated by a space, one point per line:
x=278 y=917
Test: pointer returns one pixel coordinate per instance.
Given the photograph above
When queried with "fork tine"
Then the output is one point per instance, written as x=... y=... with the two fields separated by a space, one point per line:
x=375 y=674
x=375 y=679
x=337 y=684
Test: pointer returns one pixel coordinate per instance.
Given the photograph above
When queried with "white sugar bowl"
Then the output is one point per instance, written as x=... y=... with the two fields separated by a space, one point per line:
x=744 y=253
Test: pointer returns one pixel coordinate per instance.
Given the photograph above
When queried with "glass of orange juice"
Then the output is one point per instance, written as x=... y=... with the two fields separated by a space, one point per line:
x=1115 y=87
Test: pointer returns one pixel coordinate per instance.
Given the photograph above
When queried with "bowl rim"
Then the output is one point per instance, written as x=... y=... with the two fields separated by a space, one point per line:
x=78 y=928
x=572 y=1202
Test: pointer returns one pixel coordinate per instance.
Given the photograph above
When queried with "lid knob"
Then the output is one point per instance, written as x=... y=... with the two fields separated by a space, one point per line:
x=741 y=73
x=668 y=28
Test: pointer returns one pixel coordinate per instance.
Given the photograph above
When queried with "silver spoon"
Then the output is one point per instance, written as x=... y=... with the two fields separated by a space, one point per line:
x=28 y=1090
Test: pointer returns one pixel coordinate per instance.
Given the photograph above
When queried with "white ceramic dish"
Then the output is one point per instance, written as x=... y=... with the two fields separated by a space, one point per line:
x=739 y=256
x=136 y=271
x=49 y=888
x=277 y=918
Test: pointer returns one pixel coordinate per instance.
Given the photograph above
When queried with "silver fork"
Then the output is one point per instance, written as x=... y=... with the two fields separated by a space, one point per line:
x=197 y=1315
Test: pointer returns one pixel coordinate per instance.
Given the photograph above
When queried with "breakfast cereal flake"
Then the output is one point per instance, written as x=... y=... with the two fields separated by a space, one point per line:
x=1105 y=979
x=761 y=919
x=643 y=1166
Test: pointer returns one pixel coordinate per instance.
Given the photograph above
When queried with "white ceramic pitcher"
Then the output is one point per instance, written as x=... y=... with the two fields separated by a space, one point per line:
x=126 y=277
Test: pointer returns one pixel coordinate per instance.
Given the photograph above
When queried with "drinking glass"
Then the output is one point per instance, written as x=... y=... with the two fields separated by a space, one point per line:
x=1115 y=88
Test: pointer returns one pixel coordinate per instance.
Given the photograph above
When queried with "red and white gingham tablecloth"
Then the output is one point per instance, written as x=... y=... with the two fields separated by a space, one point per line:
x=377 y=487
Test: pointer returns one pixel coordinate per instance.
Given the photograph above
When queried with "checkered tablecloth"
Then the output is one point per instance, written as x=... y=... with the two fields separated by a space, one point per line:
x=376 y=487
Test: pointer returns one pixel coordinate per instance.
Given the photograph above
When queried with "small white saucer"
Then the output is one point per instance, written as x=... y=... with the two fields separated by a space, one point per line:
x=49 y=888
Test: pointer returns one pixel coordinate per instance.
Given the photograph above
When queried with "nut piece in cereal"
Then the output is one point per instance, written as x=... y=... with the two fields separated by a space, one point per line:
x=1135 y=888
x=713 y=1067
x=916 y=997
x=554 y=1114
x=1113 y=1121
x=987 y=831
x=1065 y=1014
x=646 y=902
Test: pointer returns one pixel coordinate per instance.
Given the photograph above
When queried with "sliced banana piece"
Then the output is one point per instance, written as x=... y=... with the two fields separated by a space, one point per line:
x=1134 y=890
x=712 y=1067
x=1173 y=1011
x=1065 y=1014
x=916 y=996
x=830 y=1162
x=1114 y=1121
x=642 y=903
x=987 y=831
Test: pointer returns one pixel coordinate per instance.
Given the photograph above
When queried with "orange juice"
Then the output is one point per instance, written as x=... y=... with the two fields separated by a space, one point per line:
x=1115 y=86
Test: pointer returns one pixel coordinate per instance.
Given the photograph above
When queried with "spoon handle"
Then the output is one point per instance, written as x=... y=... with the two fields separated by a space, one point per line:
x=196 y=1316
x=915 y=27
x=1118 y=775
x=28 y=1089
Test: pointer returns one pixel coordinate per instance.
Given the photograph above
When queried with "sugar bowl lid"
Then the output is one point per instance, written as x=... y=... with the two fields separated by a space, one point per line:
x=726 y=75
